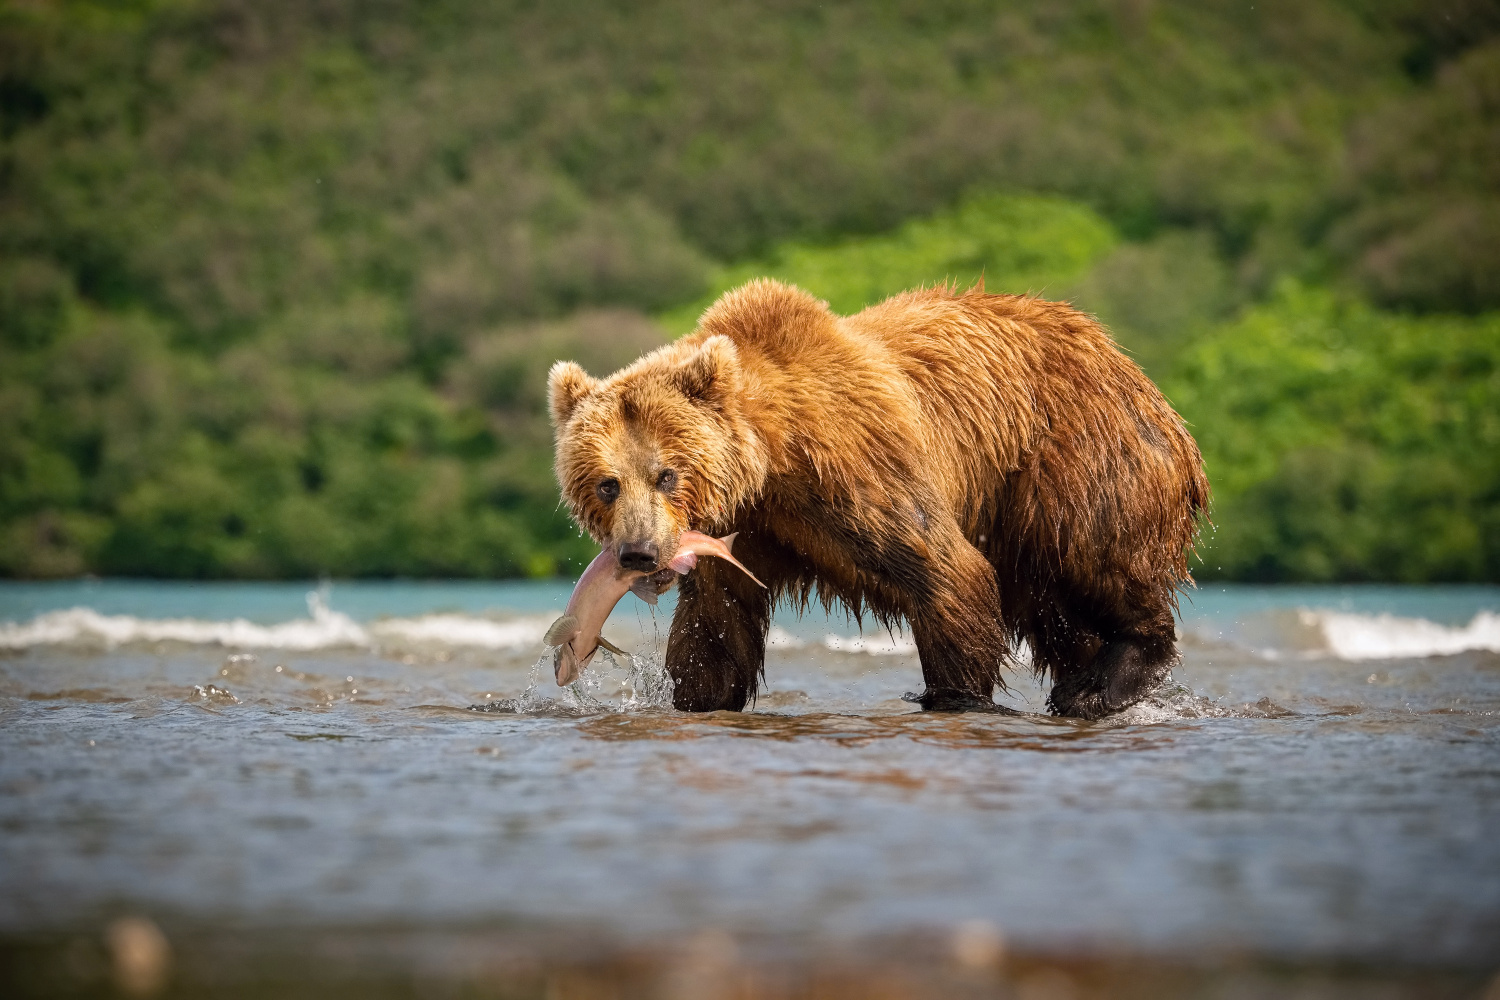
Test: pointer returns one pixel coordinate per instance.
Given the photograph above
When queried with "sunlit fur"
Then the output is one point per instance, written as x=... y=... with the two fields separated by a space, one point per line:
x=989 y=468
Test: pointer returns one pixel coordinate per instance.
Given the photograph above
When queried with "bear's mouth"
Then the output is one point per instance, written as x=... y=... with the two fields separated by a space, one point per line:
x=655 y=583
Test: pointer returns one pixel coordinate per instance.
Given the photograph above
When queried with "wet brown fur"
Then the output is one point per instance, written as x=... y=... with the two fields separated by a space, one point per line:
x=989 y=468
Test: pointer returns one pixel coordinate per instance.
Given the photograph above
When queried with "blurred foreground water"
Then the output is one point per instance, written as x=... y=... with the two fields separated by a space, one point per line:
x=376 y=789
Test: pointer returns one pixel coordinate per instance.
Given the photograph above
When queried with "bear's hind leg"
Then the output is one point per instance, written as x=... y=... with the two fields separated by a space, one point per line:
x=1130 y=663
x=959 y=634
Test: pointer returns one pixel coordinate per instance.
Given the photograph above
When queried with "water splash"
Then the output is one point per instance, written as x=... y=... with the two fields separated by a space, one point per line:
x=634 y=683
x=214 y=695
x=1174 y=701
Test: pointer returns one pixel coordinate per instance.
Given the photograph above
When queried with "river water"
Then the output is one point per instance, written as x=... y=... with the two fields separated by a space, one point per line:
x=376 y=788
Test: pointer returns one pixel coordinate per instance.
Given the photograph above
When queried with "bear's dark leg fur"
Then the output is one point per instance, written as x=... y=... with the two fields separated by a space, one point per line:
x=959 y=634
x=1133 y=657
x=716 y=648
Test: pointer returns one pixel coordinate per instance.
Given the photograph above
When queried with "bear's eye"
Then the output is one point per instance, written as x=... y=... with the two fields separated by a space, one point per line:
x=609 y=489
x=666 y=481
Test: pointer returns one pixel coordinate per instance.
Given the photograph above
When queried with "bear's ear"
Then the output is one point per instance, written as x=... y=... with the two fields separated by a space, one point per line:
x=567 y=384
x=712 y=374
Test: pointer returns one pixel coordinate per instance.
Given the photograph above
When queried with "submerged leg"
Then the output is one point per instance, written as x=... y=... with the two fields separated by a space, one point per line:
x=717 y=645
x=1133 y=659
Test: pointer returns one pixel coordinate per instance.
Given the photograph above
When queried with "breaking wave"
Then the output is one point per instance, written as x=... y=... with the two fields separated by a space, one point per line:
x=1385 y=637
x=1287 y=633
x=324 y=628
x=898 y=644
x=1303 y=633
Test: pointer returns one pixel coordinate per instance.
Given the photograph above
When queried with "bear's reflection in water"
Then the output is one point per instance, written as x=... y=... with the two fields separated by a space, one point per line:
x=972 y=731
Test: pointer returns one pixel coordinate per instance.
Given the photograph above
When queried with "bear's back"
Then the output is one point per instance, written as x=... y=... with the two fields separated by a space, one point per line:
x=1002 y=377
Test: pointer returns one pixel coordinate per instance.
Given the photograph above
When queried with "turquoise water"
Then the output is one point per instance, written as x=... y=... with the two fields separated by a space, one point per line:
x=263 y=769
x=267 y=603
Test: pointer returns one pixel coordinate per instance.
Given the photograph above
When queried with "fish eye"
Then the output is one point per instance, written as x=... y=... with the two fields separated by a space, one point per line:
x=666 y=481
x=609 y=490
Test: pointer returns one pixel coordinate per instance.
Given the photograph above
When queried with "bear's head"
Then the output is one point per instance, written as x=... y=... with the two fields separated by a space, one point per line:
x=655 y=449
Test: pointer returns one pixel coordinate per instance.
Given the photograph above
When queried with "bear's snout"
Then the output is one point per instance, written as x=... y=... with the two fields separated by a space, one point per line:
x=638 y=555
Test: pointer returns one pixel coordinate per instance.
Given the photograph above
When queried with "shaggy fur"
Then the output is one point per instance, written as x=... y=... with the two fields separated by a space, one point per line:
x=989 y=468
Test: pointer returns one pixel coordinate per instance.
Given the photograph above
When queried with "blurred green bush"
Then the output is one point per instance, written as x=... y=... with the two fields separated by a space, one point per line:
x=288 y=456
x=1025 y=243
x=279 y=282
x=1345 y=443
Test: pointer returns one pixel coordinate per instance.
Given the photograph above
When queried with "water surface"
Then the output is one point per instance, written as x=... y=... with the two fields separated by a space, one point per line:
x=275 y=767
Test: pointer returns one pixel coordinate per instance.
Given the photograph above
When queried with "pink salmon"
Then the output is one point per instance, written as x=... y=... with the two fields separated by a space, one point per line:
x=601 y=587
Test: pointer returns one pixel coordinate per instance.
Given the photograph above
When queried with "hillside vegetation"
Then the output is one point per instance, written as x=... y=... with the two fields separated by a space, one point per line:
x=280 y=282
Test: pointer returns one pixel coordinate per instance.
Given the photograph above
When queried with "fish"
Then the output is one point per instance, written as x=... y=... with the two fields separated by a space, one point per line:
x=691 y=545
x=604 y=584
x=576 y=633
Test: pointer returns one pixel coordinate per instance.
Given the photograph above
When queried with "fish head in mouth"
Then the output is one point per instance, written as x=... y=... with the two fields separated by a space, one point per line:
x=651 y=451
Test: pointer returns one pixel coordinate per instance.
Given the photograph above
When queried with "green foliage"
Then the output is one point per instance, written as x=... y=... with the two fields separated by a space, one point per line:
x=279 y=282
x=1424 y=226
x=289 y=456
x=1345 y=443
x=1159 y=296
x=1017 y=243
x=219 y=162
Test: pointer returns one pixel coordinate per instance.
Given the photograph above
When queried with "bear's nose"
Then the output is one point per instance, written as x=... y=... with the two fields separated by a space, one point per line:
x=638 y=555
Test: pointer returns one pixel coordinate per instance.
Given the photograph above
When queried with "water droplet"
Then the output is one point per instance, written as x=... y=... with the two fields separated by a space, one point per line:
x=350 y=679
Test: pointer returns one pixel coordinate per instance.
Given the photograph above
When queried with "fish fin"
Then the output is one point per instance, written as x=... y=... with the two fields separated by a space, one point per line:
x=643 y=589
x=612 y=647
x=746 y=570
x=561 y=630
x=728 y=541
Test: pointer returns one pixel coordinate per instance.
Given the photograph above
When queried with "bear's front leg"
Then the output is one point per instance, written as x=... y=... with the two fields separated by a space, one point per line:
x=716 y=648
x=956 y=622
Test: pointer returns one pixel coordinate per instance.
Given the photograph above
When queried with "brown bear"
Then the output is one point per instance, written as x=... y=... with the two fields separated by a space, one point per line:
x=989 y=468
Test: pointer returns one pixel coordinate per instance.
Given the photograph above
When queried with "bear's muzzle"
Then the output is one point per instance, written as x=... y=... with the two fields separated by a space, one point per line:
x=640 y=556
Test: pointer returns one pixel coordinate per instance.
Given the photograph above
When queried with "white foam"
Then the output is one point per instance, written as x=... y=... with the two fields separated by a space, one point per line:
x=462 y=630
x=84 y=625
x=323 y=629
x=780 y=638
x=883 y=645
x=1345 y=635
x=1384 y=637
x=879 y=645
